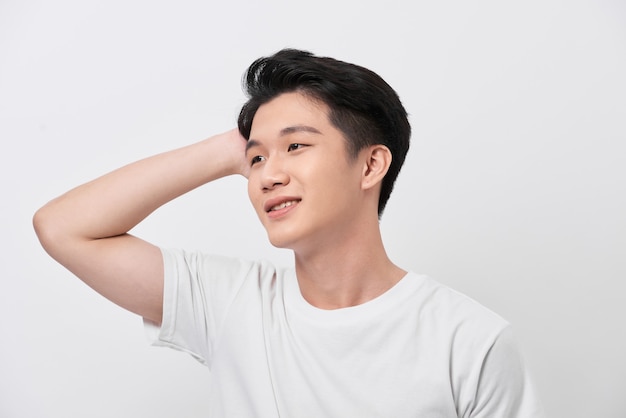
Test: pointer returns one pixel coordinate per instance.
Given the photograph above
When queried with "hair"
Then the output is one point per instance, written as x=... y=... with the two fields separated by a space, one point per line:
x=361 y=104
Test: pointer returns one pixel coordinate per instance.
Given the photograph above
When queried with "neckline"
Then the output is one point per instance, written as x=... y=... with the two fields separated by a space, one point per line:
x=390 y=299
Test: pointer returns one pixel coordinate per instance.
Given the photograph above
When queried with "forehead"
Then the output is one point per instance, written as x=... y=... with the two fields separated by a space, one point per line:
x=287 y=110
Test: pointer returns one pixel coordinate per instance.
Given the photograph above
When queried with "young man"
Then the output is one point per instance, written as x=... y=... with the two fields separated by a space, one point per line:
x=346 y=333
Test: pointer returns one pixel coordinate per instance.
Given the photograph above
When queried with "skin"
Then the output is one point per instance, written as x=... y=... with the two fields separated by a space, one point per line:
x=86 y=229
x=333 y=229
x=297 y=155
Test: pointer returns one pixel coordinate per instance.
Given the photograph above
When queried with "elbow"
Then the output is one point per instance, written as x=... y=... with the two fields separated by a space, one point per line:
x=46 y=228
x=40 y=224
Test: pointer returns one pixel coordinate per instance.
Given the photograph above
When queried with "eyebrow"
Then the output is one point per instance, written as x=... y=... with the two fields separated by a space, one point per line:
x=252 y=143
x=283 y=132
x=298 y=128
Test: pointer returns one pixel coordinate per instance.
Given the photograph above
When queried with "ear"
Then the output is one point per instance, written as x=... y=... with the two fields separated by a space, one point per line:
x=377 y=162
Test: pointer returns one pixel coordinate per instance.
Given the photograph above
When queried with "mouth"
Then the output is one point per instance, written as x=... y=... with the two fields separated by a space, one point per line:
x=283 y=205
x=274 y=205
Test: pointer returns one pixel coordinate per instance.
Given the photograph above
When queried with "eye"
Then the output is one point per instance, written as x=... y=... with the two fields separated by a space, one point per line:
x=256 y=159
x=294 y=147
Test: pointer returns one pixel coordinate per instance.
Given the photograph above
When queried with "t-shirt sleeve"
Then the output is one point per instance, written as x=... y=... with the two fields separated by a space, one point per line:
x=504 y=387
x=198 y=288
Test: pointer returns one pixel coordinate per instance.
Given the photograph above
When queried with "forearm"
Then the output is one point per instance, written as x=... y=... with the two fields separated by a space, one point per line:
x=114 y=203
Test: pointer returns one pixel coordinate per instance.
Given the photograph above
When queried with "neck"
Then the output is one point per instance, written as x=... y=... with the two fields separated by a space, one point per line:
x=348 y=271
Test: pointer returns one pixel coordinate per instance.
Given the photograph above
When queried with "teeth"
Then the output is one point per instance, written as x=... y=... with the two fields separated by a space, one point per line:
x=283 y=205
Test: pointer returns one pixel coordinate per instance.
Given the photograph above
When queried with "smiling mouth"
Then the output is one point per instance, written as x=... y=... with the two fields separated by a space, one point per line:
x=283 y=205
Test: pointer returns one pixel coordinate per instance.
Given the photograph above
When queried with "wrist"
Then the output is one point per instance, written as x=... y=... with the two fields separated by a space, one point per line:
x=227 y=149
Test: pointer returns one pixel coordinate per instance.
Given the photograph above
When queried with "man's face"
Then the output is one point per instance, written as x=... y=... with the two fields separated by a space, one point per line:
x=302 y=183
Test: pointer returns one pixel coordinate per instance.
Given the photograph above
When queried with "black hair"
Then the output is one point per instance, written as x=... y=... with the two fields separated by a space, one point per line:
x=361 y=104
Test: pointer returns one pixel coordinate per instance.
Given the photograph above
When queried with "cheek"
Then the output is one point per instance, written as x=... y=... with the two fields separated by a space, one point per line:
x=335 y=190
x=253 y=194
x=250 y=185
x=339 y=177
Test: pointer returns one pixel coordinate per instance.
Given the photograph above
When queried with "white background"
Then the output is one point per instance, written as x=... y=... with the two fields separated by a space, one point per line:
x=513 y=191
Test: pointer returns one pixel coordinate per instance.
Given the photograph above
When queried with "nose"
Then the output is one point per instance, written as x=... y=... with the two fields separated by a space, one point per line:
x=274 y=173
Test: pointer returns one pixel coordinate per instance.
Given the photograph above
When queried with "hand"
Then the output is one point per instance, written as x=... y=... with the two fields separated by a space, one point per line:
x=240 y=151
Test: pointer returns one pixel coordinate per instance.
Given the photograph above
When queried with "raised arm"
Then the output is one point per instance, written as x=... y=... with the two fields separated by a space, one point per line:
x=86 y=229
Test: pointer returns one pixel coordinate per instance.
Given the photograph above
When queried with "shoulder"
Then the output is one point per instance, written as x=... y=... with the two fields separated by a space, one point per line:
x=217 y=271
x=487 y=370
x=463 y=329
x=453 y=310
x=214 y=264
x=215 y=284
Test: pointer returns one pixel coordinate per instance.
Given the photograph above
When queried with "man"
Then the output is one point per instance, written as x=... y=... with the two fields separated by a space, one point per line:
x=345 y=333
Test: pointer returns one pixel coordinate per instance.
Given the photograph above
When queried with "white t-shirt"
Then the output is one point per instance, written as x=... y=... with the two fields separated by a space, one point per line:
x=418 y=350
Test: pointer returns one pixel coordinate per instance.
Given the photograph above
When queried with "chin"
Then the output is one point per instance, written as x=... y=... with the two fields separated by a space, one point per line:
x=287 y=240
x=279 y=241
